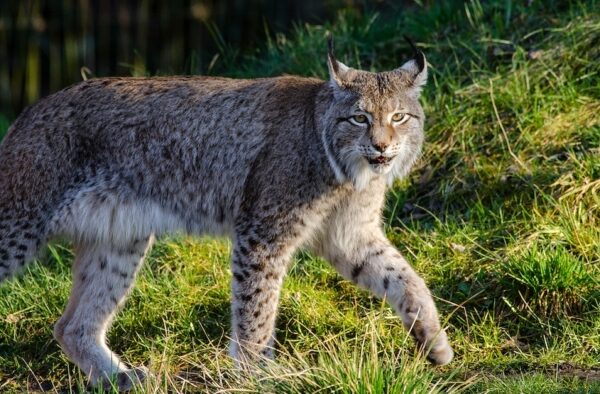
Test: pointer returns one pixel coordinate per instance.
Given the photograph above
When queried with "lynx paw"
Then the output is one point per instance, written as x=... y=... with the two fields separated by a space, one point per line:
x=441 y=356
x=441 y=352
x=125 y=380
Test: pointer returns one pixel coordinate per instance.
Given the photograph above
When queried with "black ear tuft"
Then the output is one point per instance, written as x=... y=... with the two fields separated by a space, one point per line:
x=329 y=37
x=330 y=55
x=418 y=54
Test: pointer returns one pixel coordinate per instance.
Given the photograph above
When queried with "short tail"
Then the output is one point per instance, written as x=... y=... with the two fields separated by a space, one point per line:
x=30 y=180
x=21 y=237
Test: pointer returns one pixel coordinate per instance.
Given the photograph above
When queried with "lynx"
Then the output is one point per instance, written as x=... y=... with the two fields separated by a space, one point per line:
x=276 y=164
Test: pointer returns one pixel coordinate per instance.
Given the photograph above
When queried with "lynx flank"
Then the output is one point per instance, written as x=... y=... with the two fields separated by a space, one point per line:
x=275 y=163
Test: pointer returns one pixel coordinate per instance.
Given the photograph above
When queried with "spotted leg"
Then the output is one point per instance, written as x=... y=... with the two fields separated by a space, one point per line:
x=256 y=284
x=102 y=277
x=365 y=256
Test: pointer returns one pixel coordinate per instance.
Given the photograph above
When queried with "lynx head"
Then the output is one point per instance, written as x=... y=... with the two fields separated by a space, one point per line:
x=374 y=124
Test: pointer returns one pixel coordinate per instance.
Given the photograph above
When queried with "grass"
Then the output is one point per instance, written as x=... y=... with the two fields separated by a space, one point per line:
x=501 y=216
x=4 y=124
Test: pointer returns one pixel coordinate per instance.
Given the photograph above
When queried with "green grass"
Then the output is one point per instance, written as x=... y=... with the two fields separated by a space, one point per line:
x=4 y=124
x=501 y=216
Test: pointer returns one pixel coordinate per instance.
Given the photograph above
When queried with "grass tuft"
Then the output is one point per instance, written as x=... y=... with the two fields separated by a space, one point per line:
x=549 y=282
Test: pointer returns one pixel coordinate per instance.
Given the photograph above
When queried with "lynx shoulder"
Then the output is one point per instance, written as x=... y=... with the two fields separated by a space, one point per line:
x=275 y=163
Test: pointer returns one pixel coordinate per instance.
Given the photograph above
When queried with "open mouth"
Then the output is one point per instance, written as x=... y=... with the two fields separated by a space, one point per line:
x=379 y=160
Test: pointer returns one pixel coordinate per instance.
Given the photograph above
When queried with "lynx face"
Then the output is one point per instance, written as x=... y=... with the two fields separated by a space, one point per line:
x=378 y=121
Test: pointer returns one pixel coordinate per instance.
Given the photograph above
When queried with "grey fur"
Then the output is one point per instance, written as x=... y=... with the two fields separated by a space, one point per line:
x=276 y=163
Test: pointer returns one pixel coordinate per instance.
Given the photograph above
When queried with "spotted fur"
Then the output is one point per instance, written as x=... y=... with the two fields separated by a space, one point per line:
x=276 y=163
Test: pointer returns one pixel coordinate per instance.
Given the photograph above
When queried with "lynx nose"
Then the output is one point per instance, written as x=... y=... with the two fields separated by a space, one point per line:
x=380 y=146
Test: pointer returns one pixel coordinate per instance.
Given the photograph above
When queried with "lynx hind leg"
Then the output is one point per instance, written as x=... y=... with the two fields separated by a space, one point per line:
x=21 y=235
x=103 y=275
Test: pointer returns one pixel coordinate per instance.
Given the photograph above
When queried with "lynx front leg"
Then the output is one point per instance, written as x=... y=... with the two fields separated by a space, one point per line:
x=373 y=263
x=102 y=277
x=256 y=283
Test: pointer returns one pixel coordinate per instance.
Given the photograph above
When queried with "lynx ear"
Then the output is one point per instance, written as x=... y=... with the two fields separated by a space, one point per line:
x=416 y=68
x=338 y=71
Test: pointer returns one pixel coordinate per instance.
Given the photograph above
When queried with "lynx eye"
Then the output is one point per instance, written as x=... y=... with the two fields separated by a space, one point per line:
x=359 y=119
x=400 y=118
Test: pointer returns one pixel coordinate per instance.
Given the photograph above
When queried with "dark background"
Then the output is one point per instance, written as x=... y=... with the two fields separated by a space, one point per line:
x=44 y=44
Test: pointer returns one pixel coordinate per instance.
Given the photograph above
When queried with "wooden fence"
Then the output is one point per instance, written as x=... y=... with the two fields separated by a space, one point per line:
x=44 y=44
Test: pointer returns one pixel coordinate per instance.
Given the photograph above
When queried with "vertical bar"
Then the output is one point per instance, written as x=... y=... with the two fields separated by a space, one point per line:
x=44 y=44
x=5 y=67
x=31 y=80
x=153 y=36
x=97 y=22
x=27 y=14
x=87 y=36
x=125 y=37
x=113 y=27
x=142 y=41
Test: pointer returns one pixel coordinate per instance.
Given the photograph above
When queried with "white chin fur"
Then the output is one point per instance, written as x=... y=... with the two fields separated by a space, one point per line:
x=381 y=169
x=361 y=172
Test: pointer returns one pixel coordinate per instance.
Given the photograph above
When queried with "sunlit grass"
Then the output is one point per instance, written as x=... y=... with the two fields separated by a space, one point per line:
x=549 y=282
